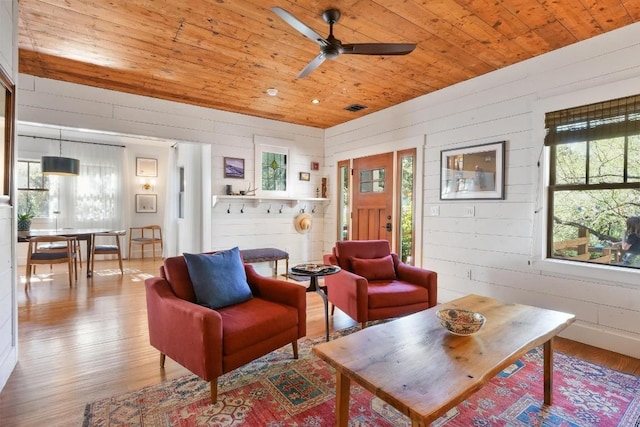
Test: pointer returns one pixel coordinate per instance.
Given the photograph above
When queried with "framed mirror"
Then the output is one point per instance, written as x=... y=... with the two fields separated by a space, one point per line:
x=7 y=111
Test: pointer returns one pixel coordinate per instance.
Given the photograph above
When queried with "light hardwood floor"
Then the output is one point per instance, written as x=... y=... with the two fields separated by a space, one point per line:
x=90 y=342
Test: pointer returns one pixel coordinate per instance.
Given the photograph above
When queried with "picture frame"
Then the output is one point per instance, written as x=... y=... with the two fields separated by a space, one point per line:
x=305 y=176
x=315 y=166
x=146 y=203
x=233 y=168
x=473 y=173
x=146 y=166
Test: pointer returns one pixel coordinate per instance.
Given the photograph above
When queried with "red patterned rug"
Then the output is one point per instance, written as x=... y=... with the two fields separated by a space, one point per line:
x=278 y=391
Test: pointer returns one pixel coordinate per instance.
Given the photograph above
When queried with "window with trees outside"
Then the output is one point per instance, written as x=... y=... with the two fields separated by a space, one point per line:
x=33 y=189
x=406 y=163
x=594 y=183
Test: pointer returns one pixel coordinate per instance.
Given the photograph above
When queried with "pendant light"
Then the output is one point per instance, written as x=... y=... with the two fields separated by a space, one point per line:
x=52 y=165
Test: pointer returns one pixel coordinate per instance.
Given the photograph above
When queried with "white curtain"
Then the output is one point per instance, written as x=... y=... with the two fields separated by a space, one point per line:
x=95 y=198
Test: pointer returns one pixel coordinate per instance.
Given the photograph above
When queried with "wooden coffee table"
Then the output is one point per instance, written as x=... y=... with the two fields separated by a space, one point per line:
x=419 y=368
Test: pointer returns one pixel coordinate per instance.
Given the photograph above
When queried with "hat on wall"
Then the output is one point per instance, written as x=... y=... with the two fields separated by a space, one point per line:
x=302 y=223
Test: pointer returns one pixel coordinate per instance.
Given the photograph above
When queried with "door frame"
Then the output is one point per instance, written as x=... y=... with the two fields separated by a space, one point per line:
x=418 y=218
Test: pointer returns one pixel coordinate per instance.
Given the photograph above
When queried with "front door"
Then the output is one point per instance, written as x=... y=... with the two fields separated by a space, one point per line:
x=372 y=214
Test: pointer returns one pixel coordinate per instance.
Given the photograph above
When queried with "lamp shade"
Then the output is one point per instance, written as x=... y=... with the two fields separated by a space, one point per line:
x=51 y=165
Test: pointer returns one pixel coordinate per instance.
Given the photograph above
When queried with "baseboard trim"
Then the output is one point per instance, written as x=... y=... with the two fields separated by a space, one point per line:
x=609 y=339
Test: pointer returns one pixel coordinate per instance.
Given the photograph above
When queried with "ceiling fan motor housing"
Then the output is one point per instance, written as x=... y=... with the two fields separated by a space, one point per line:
x=333 y=49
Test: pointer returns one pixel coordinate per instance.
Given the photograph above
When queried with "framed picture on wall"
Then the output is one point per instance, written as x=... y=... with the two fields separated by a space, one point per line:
x=474 y=172
x=146 y=203
x=233 y=168
x=305 y=176
x=146 y=167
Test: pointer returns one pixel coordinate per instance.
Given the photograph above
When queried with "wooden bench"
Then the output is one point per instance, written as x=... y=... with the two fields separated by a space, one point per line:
x=251 y=256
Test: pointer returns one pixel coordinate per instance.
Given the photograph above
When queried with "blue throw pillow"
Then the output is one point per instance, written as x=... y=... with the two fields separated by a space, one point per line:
x=218 y=279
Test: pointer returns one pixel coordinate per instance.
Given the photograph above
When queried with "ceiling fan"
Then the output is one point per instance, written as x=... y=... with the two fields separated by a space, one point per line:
x=331 y=48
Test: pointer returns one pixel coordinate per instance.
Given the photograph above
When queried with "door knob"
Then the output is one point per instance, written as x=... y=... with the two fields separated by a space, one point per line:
x=388 y=226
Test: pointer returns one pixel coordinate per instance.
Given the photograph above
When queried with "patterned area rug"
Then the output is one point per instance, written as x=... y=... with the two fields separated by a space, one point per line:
x=278 y=391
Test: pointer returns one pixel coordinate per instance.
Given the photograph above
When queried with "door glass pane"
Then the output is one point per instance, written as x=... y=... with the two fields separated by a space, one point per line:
x=372 y=180
x=366 y=187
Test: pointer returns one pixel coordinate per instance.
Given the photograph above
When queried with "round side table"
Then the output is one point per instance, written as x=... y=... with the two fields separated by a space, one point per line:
x=313 y=271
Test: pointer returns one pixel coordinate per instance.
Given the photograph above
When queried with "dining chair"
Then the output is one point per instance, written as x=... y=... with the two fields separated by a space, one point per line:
x=107 y=249
x=146 y=235
x=67 y=255
x=61 y=247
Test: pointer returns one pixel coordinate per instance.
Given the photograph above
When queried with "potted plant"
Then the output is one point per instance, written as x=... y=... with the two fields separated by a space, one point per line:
x=25 y=214
x=24 y=221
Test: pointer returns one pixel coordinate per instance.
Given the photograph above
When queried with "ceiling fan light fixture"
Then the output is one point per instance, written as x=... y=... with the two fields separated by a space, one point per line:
x=315 y=101
x=272 y=91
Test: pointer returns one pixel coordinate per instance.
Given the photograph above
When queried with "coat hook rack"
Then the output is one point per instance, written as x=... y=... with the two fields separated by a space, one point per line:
x=229 y=208
x=281 y=206
x=269 y=209
x=242 y=208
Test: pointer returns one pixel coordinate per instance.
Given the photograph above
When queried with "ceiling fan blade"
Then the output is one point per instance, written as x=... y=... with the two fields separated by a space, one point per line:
x=378 y=48
x=300 y=26
x=315 y=63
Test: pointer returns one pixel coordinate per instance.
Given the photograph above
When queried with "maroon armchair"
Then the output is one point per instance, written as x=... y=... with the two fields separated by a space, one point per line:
x=374 y=284
x=211 y=342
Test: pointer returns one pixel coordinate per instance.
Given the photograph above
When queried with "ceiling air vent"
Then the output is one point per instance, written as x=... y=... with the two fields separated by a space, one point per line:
x=355 y=107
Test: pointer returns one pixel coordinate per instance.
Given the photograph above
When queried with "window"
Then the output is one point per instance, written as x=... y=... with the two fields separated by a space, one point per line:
x=594 y=182
x=94 y=198
x=274 y=171
x=372 y=180
x=272 y=167
x=406 y=160
x=33 y=189
x=343 y=200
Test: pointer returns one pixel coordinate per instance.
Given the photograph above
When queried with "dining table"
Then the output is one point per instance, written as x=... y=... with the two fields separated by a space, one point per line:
x=86 y=234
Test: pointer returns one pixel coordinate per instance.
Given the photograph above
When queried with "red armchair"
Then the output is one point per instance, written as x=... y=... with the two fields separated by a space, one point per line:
x=374 y=284
x=210 y=342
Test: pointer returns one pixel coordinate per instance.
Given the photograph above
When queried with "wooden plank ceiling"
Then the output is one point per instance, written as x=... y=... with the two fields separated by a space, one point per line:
x=225 y=54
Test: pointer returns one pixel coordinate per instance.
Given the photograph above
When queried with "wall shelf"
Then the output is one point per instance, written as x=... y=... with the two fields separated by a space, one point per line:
x=256 y=200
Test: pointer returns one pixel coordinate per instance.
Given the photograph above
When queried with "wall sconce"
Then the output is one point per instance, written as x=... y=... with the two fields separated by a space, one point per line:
x=147 y=184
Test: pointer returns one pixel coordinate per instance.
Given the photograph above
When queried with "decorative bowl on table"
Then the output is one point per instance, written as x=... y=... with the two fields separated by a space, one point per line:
x=460 y=322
